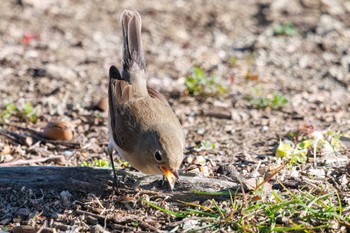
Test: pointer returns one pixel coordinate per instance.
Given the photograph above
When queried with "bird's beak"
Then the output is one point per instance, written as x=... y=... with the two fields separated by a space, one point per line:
x=170 y=175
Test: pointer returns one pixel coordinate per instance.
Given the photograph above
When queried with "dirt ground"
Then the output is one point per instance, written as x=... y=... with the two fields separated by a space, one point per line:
x=56 y=55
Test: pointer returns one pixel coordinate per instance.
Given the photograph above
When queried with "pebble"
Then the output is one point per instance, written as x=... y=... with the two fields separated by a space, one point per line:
x=6 y=158
x=188 y=224
x=201 y=131
x=23 y=212
x=204 y=170
x=61 y=72
x=320 y=173
x=97 y=229
x=91 y=220
x=199 y=160
x=195 y=171
x=66 y=196
x=189 y=159
x=68 y=153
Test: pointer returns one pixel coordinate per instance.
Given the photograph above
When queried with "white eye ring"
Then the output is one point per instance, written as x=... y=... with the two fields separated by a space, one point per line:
x=158 y=156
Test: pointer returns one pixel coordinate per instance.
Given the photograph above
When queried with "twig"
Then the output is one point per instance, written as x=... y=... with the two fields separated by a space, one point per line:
x=57 y=142
x=12 y=137
x=148 y=227
x=30 y=161
x=122 y=227
x=99 y=217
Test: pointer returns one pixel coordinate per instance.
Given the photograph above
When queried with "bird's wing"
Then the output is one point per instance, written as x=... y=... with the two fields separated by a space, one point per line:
x=156 y=94
x=121 y=120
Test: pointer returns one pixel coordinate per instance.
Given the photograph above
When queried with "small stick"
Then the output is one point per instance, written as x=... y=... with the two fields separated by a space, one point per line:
x=25 y=162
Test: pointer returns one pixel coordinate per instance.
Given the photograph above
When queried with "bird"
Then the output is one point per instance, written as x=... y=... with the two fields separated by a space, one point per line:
x=143 y=127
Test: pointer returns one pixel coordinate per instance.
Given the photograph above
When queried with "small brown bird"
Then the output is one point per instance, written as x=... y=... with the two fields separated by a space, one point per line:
x=142 y=126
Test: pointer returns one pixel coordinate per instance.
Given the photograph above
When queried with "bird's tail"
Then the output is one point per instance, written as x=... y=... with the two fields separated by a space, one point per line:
x=132 y=43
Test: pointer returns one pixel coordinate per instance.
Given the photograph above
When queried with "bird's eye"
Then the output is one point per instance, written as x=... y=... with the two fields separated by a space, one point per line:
x=158 y=156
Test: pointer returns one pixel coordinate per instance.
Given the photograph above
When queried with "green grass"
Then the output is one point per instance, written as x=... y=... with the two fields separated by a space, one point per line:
x=24 y=112
x=96 y=163
x=280 y=211
x=275 y=101
x=207 y=145
x=201 y=85
x=285 y=29
x=103 y=163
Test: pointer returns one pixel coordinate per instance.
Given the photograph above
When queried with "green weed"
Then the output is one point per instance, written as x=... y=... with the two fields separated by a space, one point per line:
x=200 y=84
x=286 y=29
x=283 y=211
x=276 y=101
x=207 y=145
x=25 y=112
x=96 y=163
x=103 y=163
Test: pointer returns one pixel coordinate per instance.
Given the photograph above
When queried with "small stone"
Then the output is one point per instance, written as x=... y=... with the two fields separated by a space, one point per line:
x=6 y=150
x=6 y=158
x=229 y=129
x=265 y=128
x=66 y=196
x=201 y=131
x=91 y=220
x=5 y=221
x=61 y=72
x=48 y=230
x=68 y=153
x=189 y=224
x=17 y=220
x=60 y=226
x=195 y=171
x=199 y=160
x=29 y=141
x=23 y=212
x=320 y=173
x=97 y=229
x=204 y=170
x=344 y=181
x=188 y=159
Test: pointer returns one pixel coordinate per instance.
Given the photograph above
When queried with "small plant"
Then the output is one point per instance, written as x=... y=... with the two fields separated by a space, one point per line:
x=103 y=163
x=207 y=145
x=26 y=112
x=295 y=153
x=96 y=163
x=298 y=145
x=285 y=29
x=199 y=84
x=276 y=101
x=283 y=211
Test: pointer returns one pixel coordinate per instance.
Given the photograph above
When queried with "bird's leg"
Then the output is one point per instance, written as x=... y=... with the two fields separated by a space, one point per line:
x=115 y=178
x=163 y=181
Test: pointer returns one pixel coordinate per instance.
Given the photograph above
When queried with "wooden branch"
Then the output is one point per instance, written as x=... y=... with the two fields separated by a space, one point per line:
x=22 y=162
x=82 y=179
x=96 y=180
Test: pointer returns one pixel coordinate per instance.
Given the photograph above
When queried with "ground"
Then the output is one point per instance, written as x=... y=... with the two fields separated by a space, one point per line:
x=55 y=57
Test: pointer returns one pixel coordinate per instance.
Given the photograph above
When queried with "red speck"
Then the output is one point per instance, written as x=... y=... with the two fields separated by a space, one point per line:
x=28 y=37
x=232 y=79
